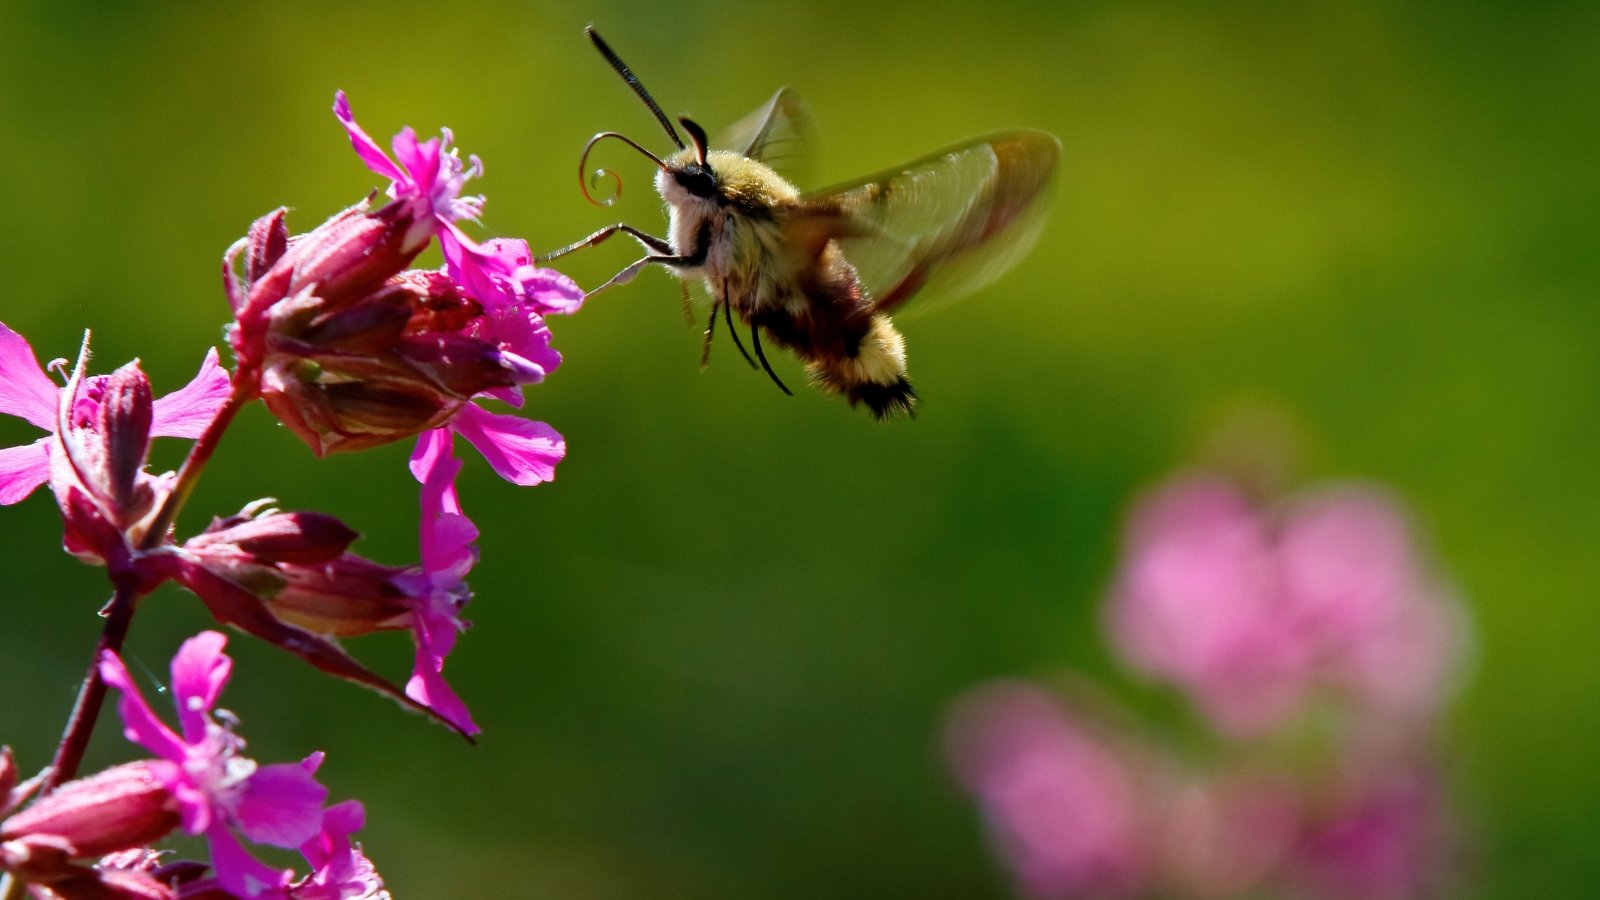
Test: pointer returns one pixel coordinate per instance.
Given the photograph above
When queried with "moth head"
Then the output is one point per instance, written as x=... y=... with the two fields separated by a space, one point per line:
x=687 y=169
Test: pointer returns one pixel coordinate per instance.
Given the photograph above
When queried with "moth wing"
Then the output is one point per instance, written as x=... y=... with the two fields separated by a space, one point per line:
x=943 y=225
x=777 y=133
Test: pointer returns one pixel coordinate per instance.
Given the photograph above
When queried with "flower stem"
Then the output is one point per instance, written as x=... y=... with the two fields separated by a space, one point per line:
x=86 y=710
x=199 y=455
x=129 y=588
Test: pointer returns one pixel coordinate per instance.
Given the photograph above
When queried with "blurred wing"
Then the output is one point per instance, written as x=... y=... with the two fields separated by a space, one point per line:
x=946 y=224
x=776 y=133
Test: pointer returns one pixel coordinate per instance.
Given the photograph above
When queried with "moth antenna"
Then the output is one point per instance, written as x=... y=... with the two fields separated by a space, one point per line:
x=698 y=135
x=583 y=165
x=633 y=82
x=727 y=316
x=755 y=338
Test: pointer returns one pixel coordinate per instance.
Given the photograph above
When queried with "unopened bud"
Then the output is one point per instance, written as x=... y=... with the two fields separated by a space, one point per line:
x=125 y=806
x=295 y=537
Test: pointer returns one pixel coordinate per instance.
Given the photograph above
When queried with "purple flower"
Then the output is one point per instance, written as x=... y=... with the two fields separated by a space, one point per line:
x=339 y=870
x=1256 y=611
x=353 y=350
x=439 y=586
x=1228 y=834
x=1063 y=803
x=429 y=177
x=1383 y=839
x=287 y=579
x=28 y=393
x=220 y=792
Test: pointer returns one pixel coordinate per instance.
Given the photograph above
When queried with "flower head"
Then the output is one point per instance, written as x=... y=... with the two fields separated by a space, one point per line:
x=27 y=392
x=350 y=348
x=1254 y=610
x=287 y=578
x=1062 y=802
x=439 y=589
x=339 y=870
x=219 y=792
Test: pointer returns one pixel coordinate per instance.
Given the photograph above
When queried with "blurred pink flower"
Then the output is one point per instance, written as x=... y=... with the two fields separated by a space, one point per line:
x=1227 y=835
x=1062 y=803
x=1379 y=839
x=1254 y=612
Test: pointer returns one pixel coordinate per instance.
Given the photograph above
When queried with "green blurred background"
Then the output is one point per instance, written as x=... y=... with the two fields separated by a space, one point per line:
x=713 y=656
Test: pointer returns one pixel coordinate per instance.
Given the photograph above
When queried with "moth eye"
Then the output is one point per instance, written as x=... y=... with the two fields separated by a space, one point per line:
x=697 y=181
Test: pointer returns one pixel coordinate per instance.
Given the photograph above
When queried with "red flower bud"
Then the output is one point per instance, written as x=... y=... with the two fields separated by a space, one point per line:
x=296 y=537
x=124 y=806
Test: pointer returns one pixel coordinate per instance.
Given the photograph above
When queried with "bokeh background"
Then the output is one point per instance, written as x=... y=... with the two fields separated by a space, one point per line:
x=713 y=657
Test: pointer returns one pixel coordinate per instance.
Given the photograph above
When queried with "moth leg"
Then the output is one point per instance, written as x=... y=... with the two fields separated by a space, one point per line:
x=711 y=329
x=649 y=241
x=632 y=271
x=727 y=316
x=755 y=338
x=688 y=311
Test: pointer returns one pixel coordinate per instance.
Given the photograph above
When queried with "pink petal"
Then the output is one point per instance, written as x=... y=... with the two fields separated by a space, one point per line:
x=200 y=671
x=551 y=292
x=420 y=160
x=436 y=637
x=187 y=411
x=139 y=721
x=22 y=469
x=519 y=450
x=521 y=332
x=435 y=452
x=472 y=266
x=449 y=551
x=365 y=146
x=280 y=805
x=241 y=874
x=25 y=391
x=339 y=821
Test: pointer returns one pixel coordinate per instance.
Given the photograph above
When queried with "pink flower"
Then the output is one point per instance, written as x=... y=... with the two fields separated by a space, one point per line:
x=438 y=587
x=1063 y=804
x=354 y=351
x=1255 y=611
x=339 y=870
x=429 y=176
x=1229 y=834
x=1384 y=839
x=220 y=792
x=287 y=579
x=28 y=393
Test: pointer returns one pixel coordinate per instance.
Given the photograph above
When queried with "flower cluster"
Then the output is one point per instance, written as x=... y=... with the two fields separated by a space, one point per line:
x=199 y=780
x=351 y=348
x=1316 y=647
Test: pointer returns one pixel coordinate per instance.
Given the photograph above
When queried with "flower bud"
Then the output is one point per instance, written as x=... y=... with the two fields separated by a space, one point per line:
x=97 y=472
x=301 y=537
x=336 y=265
x=390 y=365
x=125 y=806
x=348 y=597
